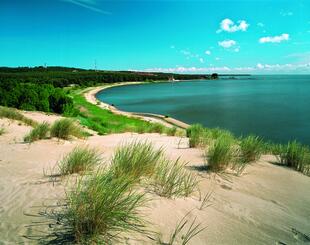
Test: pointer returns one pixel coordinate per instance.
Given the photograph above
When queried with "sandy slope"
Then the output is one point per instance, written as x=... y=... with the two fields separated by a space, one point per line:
x=260 y=207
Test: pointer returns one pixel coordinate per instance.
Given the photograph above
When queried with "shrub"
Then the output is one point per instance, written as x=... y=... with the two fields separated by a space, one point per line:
x=38 y=132
x=296 y=156
x=171 y=179
x=221 y=154
x=136 y=159
x=195 y=134
x=251 y=148
x=100 y=208
x=13 y=114
x=2 y=131
x=64 y=128
x=78 y=160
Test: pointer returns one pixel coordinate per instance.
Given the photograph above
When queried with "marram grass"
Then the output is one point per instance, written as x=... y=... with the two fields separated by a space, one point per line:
x=195 y=134
x=251 y=148
x=80 y=159
x=14 y=114
x=171 y=179
x=101 y=208
x=64 y=128
x=135 y=159
x=40 y=131
x=221 y=154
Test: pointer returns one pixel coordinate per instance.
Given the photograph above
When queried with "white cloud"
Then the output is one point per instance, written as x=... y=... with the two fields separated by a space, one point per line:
x=208 y=52
x=275 y=39
x=217 y=58
x=286 y=13
x=227 y=43
x=260 y=24
x=259 y=68
x=229 y=26
x=88 y=4
x=201 y=60
x=172 y=47
x=237 y=50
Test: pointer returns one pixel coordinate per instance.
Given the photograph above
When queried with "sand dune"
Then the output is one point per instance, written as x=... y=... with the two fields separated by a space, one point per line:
x=268 y=204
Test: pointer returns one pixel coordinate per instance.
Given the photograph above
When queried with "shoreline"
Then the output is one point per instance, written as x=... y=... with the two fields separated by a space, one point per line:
x=90 y=96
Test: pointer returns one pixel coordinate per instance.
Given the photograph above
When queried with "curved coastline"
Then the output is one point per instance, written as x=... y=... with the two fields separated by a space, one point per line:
x=91 y=97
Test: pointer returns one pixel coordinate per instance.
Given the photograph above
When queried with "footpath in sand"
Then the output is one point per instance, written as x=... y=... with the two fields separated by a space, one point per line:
x=268 y=204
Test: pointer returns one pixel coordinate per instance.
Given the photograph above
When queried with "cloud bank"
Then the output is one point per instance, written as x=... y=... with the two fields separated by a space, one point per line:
x=229 y=26
x=275 y=39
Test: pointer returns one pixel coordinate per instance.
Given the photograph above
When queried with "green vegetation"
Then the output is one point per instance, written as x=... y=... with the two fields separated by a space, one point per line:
x=13 y=114
x=251 y=148
x=64 y=128
x=171 y=179
x=171 y=131
x=40 y=131
x=105 y=122
x=195 y=133
x=135 y=160
x=221 y=154
x=80 y=159
x=179 y=237
x=2 y=130
x=296 y=156
x=101 y=207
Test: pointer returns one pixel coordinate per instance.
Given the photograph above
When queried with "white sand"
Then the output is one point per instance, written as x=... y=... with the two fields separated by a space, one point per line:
x=260 y=207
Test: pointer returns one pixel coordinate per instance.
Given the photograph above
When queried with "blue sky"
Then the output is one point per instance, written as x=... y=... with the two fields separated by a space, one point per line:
x=200 y=36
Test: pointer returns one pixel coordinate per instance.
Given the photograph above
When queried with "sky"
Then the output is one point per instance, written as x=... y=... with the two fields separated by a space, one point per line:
x=187 y=36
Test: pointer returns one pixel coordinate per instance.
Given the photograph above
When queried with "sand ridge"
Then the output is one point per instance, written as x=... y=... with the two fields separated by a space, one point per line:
x=268 y=204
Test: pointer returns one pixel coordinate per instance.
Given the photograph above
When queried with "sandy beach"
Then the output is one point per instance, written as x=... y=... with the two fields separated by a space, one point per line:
x=268 y=204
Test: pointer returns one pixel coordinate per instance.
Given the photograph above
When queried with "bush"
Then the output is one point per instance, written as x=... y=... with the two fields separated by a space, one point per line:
x=221 y=154
x=38 y=132
x=136 y=159
x=2 y=131
x=13 y=114
x=296 y=156
x=64 y=128
x=102 y=207
x=78 y=160
x=195 y=134
x=171 y=179
x=251 y=148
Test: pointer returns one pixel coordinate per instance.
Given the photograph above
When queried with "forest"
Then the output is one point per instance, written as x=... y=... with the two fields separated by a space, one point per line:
x=40 y=88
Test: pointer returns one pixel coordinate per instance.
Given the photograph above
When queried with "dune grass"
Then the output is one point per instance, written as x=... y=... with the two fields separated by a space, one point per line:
x=221 y=154
x=181 y=235
x=11 y=113
x=135 y=159
x=195 y=134
x=296 y=156
x=250 y=148
x=101 y=208
x=2 y=130
x=171 y=131
x=64 y=128
x=40 y=131
x=80 y=159
x=171 y=179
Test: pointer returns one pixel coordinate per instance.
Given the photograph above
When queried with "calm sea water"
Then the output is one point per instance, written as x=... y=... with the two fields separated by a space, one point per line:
x=274 y=107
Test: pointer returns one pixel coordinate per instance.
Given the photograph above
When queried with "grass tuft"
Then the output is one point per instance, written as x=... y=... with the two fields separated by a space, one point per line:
x=221 y=154
x=296 y=156
x=64 y=128
x=2 y=130
x=80 y=159
x=14 y=114
x=102 y=207
x=171 y=179
x=251 y=148
x=171 y=131
x=195 y=134
x=136 y=159
x=38 y=132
